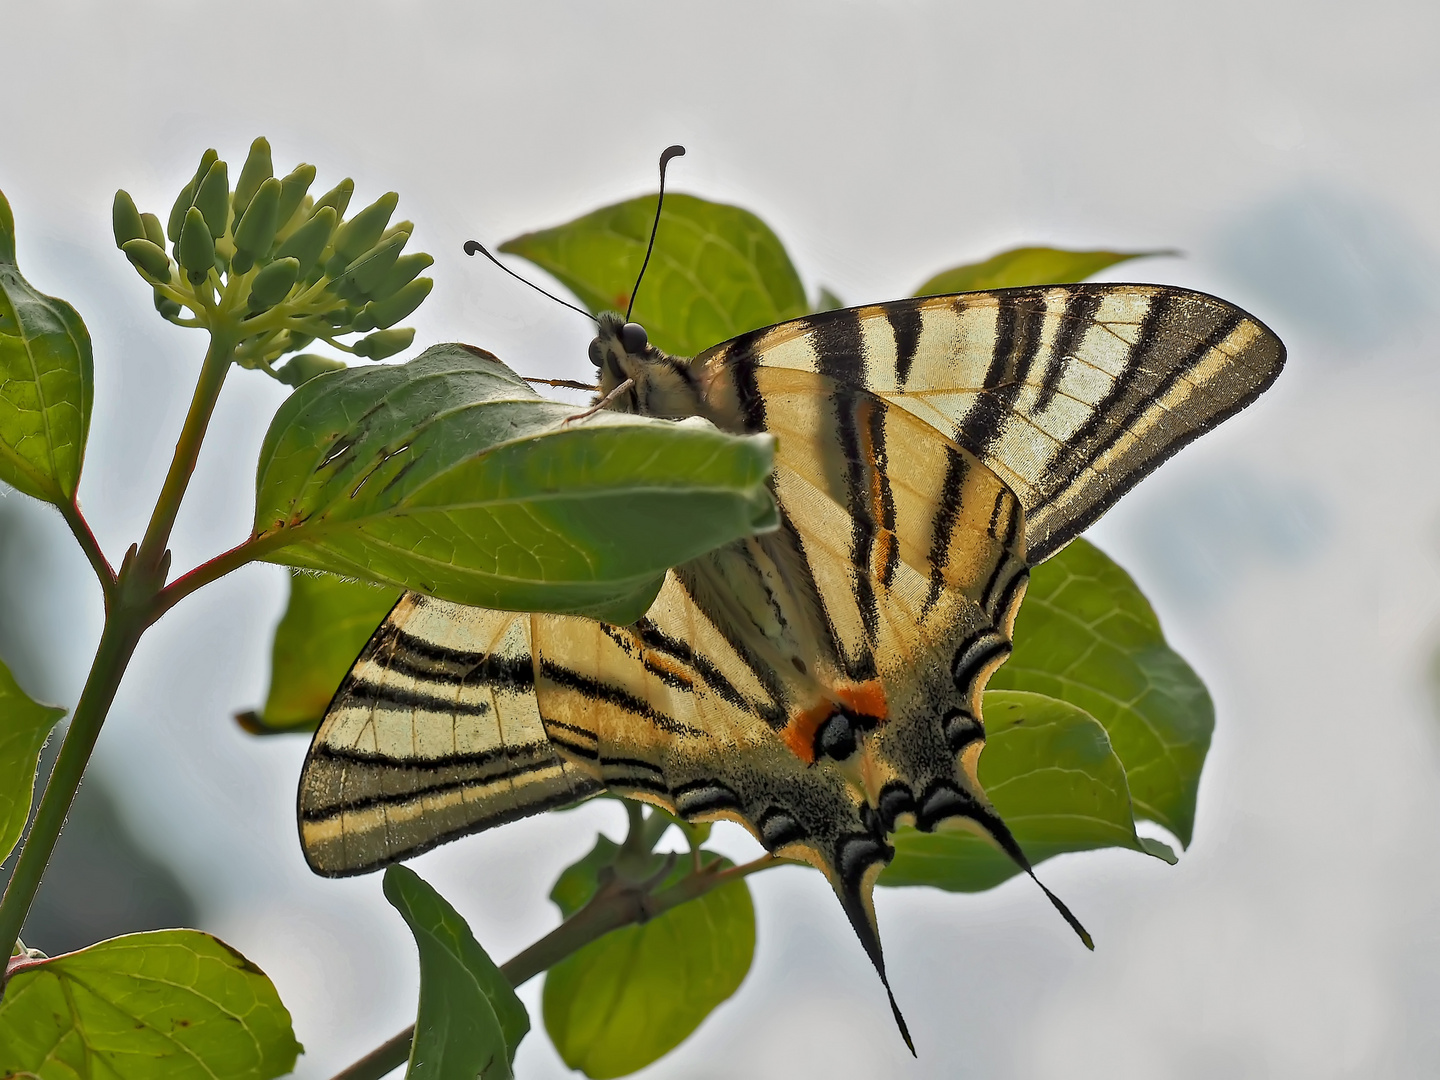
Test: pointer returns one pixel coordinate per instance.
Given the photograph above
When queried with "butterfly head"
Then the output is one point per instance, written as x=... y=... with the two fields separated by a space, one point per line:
x=634 y=376
x=619 y=350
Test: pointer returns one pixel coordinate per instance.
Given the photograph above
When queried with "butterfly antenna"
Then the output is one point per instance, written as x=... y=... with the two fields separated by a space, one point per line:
x=474 y=247
x=670 y=152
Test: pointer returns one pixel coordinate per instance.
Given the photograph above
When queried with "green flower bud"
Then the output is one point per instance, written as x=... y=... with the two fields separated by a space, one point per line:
x=348 y=291
x=256 y=170
x=273 y=284
x=125 y=219
x=177 y=213
x=206 y=160
x=370 y=269
x=338 y=197
x=384 y=343
x=197 y=246
x=212 y=199
x=306 y=366
x=362 y=322
x=256 y=231
x=360 y=233
x=406 y=269
x=186 y=199
x=386 y=313
x=165 y=306
x=154 y=231
x=308 y=241
x=150 y=259
x=292 y=192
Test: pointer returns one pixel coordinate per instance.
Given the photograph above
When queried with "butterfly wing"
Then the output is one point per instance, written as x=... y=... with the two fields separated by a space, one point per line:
x=884 y=602
x=820 y=684
x=1071 y=394
x=434 y=733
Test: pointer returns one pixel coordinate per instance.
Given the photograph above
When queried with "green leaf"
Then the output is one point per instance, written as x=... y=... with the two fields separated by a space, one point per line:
x=470 y=1022
x=449 y=475
x=326 y=623
x=24 y=727
x=1087 y=635
x=1027 y=266
x=717 y=270
x=578 y=882
x=167 y=1005
x=1049 y=770
x=628 y=999
x=47 y=381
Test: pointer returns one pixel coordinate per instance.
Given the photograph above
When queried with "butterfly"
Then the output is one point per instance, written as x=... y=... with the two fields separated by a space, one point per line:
x=819 y=684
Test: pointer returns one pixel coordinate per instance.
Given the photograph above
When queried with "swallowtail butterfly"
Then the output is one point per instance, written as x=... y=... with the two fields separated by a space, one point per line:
x=820 y=684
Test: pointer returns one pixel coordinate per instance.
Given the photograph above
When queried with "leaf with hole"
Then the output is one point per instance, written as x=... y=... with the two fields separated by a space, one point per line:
x=449 y=475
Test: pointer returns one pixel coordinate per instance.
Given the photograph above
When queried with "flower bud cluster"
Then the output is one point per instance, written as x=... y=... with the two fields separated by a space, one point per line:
x=275 y=268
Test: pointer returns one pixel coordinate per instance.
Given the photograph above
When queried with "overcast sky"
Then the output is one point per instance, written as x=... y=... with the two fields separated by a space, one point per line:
x=1289 y=150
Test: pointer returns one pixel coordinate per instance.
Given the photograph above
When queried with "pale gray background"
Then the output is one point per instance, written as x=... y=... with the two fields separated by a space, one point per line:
x=1288 y=149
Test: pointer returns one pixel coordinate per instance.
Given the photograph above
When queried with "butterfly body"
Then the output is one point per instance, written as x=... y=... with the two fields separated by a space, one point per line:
x=820 y=684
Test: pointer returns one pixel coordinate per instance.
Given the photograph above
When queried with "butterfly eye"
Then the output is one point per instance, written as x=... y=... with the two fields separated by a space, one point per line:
x=597 y=353
x=633 y=337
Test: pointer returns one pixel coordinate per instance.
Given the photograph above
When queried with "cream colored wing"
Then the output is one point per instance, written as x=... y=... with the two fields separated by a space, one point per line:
x=1071 y=394
x=435 y=733
x=820 y=684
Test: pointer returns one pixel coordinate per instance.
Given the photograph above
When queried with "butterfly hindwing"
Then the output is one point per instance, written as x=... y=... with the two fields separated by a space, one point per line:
x=435 y=733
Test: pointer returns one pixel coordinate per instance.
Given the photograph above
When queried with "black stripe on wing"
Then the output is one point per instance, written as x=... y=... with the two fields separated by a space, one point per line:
x=1091 y=449
x=412 y=779
x=594 y=689
x=1018 y=325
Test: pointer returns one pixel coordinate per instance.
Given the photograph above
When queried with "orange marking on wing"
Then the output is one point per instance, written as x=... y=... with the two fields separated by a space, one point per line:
x=866 y=699
x=658 y=662
x=799 y=733
x=863 y=699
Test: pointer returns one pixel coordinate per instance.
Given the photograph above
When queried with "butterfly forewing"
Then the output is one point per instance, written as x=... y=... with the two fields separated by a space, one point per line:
x=1071 y=394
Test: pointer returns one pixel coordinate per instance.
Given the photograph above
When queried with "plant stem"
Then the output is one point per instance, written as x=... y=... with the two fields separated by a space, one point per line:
x=130 y=607
x=123 y=628
x=208 y=571
x=187 y=450
x=612 y=907
x=70 y=511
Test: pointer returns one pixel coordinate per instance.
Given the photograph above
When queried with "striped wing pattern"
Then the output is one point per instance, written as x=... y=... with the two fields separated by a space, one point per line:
x=455 y=719
x=873 y=617
x=435 y=732
x=1071 y=394
x=820 y=684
